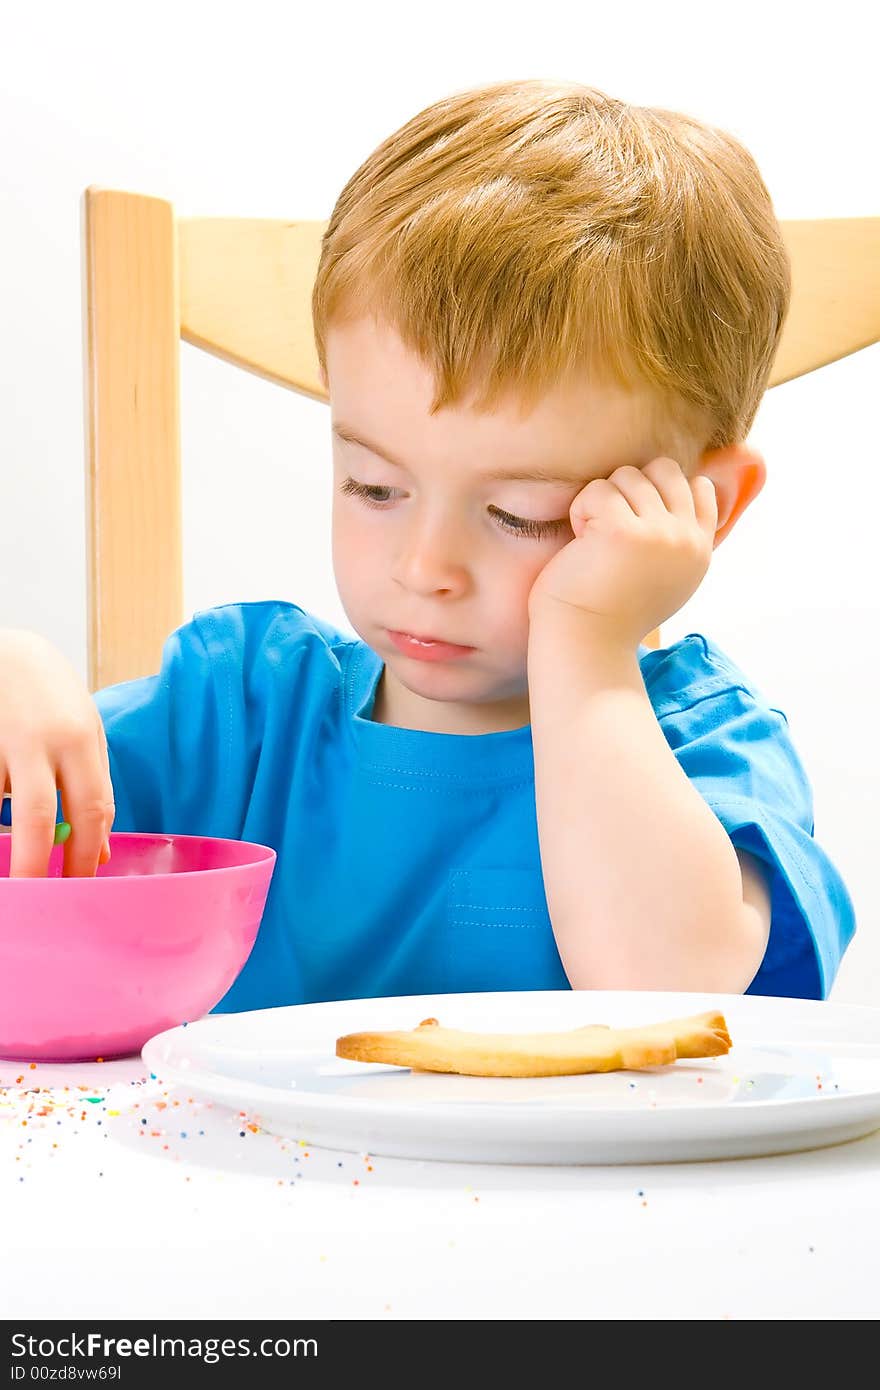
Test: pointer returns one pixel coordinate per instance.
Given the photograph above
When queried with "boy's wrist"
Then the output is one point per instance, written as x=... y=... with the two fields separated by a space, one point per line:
x=591 y=631
x=573 y=655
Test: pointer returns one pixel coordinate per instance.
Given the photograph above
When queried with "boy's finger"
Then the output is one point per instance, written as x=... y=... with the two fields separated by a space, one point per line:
x=87 y=799
x=105 y=761
x=5 y=806
x=104 y=751
x=102 y=745
x=34 y=813
x=705 y=502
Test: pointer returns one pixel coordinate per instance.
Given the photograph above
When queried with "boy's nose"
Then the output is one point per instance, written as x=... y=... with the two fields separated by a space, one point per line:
x=432 y=556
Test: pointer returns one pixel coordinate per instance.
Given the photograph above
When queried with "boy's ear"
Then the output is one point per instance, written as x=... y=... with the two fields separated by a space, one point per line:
x=738 y=474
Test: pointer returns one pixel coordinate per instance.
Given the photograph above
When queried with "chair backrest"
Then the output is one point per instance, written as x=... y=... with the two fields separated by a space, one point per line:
x=240 y=288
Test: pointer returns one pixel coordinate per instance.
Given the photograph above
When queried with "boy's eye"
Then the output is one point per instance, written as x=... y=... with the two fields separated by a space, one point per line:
x=518 y=525
x=525 y=526
x=367 y=491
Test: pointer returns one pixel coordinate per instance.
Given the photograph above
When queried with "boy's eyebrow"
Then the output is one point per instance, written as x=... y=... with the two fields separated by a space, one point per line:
x=534 y=474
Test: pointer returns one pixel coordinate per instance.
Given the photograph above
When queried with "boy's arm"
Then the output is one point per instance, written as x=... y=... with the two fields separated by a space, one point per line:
x=644 y=887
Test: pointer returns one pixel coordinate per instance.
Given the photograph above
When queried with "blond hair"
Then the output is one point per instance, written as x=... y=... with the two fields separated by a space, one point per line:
x=518 y=232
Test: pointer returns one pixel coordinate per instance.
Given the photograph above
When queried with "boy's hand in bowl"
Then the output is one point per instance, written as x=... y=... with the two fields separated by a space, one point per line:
x=51 y=739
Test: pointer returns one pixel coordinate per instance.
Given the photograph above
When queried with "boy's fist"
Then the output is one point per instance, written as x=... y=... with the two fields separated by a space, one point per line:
x=643 y=543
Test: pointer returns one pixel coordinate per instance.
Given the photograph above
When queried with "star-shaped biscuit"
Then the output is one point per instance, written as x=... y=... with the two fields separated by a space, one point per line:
x=429 y=1047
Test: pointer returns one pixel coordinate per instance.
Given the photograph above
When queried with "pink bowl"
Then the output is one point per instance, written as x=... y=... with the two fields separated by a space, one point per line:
x=93 y=967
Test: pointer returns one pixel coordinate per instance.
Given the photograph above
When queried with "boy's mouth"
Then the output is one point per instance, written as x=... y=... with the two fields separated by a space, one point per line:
x=427 y=648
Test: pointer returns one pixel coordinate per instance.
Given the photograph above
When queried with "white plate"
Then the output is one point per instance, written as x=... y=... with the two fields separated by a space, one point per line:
x=800 y=1074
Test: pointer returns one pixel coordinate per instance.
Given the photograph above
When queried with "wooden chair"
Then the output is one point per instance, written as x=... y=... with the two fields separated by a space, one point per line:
x=241 y=289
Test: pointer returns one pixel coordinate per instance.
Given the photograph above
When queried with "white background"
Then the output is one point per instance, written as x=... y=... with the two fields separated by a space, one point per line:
x=265 y=110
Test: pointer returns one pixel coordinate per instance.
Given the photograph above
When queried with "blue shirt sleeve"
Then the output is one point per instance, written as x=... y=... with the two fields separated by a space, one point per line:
x=737 y=752
x=186 y=744
x=167 y=740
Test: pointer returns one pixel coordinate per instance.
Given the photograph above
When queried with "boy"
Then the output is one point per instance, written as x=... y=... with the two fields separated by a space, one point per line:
x=545 y=320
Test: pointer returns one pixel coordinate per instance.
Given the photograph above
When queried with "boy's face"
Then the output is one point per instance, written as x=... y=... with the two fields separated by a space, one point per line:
x=432 y=544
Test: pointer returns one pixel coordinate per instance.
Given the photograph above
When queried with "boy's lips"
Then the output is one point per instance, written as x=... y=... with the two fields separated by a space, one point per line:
x=424 y=637
x=427 y=648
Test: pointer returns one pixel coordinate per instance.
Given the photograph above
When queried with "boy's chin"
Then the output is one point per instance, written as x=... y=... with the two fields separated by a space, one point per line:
x=448 y=701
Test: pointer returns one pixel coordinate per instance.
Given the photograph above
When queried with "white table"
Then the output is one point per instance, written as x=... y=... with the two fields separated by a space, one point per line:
x=123 y=1199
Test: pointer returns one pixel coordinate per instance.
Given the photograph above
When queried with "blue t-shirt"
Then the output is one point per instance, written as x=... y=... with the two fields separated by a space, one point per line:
x=408 y=861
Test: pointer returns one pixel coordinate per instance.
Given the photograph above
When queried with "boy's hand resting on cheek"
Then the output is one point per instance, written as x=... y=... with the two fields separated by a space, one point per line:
x=51 y=738
x=643 y=543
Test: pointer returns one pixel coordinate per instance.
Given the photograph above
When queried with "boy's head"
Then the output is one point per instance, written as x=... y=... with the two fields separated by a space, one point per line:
x=529 y=275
